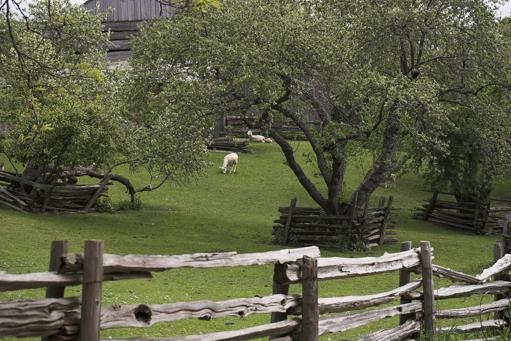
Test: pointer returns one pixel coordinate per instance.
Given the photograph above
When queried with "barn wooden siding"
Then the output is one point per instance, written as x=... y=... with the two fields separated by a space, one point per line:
x=130 y=10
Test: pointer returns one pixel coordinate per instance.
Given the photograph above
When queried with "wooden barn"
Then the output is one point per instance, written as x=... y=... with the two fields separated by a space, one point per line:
x=123 y=20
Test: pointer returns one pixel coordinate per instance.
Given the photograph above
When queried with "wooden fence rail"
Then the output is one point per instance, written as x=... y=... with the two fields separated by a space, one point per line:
x=362 y=227
x=477 y=217
x=295 y=317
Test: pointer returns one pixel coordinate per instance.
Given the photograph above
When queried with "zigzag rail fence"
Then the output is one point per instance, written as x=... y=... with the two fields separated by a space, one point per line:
x=293 y=317
x=362 y=227
x=476 y=217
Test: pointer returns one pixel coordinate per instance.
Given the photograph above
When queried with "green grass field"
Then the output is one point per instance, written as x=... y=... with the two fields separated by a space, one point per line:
x=222 y=213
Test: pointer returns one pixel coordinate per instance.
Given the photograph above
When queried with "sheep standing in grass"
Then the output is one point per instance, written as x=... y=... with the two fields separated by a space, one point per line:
x=256 y=138
x=230 y=163
x=268 y=140
x=390 y=181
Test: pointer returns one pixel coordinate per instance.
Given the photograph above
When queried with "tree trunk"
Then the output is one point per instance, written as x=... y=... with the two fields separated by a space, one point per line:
x=311 y=189
x=383 y=165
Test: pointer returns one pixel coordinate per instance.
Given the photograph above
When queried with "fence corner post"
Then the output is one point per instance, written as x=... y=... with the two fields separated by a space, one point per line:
x=428 y=289
x=431 y=205
x=498 y=253
x=310 y=306
x=506 y=241
x=289 y=220
x=91 y=290
x=404 y=279
x=58 y=249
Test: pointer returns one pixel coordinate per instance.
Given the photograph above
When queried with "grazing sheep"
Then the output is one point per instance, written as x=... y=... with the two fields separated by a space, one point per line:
x=256 y=138
x=390 y=181
x=230 y=162
x=268 y=140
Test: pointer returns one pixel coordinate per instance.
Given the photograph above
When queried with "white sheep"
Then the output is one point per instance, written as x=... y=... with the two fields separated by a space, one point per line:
x=256 y=138
x=230 y=162
x=390 y=180
x=268 y=140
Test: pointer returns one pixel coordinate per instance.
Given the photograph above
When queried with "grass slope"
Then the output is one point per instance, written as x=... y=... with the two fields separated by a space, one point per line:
x=220 y=213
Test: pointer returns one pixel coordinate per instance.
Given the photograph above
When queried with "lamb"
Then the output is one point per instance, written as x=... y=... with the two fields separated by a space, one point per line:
x=390 y=180
x=230 y=163
x=268 y=140
x=256 y=138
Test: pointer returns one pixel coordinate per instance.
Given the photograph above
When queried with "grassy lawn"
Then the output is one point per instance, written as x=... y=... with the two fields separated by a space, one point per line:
x=222 y=213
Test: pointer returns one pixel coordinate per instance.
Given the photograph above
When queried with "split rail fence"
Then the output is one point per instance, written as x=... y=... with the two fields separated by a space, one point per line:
x=59 y=318
x=476 y=217
x=25 y=195
x=362 y=228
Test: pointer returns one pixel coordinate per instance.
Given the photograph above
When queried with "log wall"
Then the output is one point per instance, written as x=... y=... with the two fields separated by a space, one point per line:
x=296 y=317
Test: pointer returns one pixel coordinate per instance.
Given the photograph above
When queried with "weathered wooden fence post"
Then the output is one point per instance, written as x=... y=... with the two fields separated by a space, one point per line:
x=478 y=228
x=58 y=249
x=428 y=294
x=498 y=253
x=91 y=290
x=506 y=240
x=386 y=215
x=431 y=206
x=353 y=221
x=289 y=220
x=404 y=279
x=310 y=306
x=279 y=273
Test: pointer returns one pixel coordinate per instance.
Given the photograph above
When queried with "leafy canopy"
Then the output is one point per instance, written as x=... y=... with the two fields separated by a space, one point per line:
x=389 y=76
x=66 y=109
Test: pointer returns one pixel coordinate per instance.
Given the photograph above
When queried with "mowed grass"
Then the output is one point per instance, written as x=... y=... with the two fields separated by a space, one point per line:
x=217 y=212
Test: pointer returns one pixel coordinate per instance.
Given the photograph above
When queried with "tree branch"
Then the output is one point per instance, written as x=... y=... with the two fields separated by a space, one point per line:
x=297 y=169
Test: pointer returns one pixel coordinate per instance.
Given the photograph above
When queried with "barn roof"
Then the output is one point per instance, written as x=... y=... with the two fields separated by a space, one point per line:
x=130 y=10
x=123 y=20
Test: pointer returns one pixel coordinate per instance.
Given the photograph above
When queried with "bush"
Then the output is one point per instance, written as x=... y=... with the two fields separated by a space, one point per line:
x=126 y=205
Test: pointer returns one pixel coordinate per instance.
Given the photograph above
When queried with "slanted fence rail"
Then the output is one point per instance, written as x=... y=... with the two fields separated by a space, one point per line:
x=293 y=317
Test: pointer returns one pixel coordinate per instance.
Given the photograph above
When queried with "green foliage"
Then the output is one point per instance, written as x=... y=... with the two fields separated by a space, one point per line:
x=67 y=109
x=104 y=204
x=388 y=76
x=58 y=98
x=126 y=205
x=461 y=118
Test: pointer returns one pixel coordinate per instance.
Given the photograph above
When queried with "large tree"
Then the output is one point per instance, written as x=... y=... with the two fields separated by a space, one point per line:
x=70 y=115
x=383 y=76
x=477 y=144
